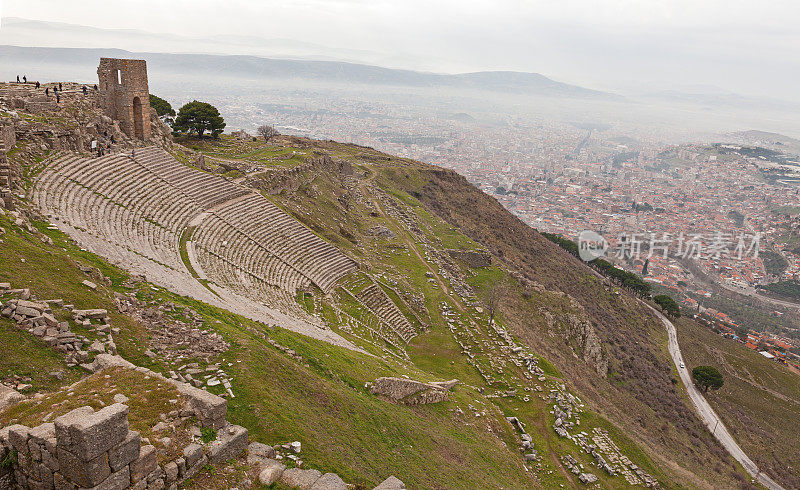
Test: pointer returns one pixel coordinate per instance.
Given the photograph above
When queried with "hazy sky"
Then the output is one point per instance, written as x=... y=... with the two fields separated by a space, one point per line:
x=748 y=46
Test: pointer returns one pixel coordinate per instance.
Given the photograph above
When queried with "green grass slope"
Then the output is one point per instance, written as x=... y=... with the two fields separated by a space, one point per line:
x=587 y=337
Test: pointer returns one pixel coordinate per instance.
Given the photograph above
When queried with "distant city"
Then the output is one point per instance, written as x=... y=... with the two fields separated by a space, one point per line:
x=716 y=212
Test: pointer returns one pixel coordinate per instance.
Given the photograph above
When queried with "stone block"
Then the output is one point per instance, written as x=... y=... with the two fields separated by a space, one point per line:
x=156 y=474
x=42 y=433
x=230 y=443
x=118 y=480
x=61 y=483
x=124 y=452
x=18 y=437
x=329 y=481
x=257 y=450
x=63 y=423
x=192 y=454
x=27 y=312
x=81 y=472
x=194 y=469
x=50 y=460
x=39 y=307
x=170 y=472
x=9 y=396
x=297 y=478
x=94 y=314
x=181 y=463
x=391 y=483
x=156 y=484
x=45 y=476
x=139 y=485
x=90 y=434
x=144 y=464
x=34 y=450
x=50 y=320
x=209 y=409
x=271 y=473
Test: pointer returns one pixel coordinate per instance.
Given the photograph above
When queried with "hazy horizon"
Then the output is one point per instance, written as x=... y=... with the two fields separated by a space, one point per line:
x=624 y=46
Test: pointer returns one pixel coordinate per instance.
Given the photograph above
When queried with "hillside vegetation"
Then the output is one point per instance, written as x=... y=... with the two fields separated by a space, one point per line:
x=601 y=340
x=526 y=328
x=759 y=401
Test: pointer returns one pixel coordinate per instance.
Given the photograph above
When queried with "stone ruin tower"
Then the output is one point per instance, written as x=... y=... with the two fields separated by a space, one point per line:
x=124 y=95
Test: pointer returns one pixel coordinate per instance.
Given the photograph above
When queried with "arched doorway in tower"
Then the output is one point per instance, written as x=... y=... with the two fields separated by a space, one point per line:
x=138 y=123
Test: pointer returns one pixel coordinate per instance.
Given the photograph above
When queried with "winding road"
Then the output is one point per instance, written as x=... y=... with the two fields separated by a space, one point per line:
x=707 y=414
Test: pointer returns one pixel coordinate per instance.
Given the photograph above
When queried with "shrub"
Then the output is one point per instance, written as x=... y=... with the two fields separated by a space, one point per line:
x=208 y=434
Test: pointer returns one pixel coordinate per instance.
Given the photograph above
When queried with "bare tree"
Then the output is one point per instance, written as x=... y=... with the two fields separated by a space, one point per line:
x=267 y=131
x=493 y=295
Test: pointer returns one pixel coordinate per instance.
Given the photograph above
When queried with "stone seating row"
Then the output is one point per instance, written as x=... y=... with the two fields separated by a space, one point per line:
x=379 y=302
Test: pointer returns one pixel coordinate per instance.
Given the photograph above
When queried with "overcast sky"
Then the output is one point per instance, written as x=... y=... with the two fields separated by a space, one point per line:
x=747 y=46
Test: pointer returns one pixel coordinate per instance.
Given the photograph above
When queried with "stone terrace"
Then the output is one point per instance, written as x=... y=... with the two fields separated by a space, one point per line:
x=134 y=211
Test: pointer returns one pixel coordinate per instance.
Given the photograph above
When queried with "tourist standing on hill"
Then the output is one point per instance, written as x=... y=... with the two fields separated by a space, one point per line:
x=58 y=99
x=24 y=78
x=59 y=87
x=17 y=78
x=37 y=83
x=84 y=89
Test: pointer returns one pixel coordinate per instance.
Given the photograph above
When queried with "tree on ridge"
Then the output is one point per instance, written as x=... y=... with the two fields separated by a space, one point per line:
x=199 y=117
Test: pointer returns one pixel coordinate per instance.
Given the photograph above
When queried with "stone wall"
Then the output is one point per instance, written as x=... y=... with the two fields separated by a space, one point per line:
x=279 y=179
x=411 y=392
x=472 y=258
x=88 y=449
x=124 y=94
x=7 y=140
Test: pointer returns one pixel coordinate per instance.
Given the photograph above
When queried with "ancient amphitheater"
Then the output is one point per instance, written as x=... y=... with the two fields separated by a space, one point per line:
x=194 y=233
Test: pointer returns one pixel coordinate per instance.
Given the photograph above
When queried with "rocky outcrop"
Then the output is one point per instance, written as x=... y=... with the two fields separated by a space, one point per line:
x=590 y=347
x=581 y=335
x=411 y=392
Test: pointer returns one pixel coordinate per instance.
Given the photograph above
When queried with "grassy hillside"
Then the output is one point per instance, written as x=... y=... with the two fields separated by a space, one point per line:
x=320 y=401
x=428 y=208
x=759 y=402
x=403 y=221
x=639 y=371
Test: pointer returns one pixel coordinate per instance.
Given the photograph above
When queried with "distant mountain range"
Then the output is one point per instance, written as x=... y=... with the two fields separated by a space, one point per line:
x=81 y=64
x=28 y=32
